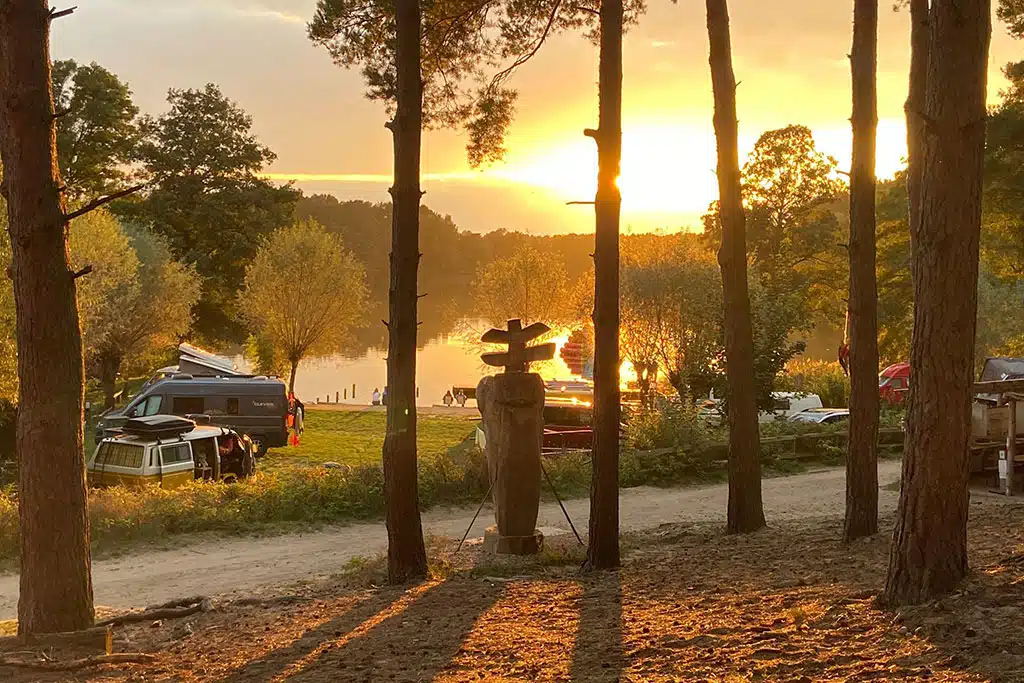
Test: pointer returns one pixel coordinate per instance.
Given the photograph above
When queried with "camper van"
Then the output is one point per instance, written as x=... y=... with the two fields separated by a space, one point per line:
x=168 y=451
x=254 y=406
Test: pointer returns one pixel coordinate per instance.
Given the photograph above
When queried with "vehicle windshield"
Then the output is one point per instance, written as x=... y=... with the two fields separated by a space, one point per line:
x=805 y=417
x=118 y=454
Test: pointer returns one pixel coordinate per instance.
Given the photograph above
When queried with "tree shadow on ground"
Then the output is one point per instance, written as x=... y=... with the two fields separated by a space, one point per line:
x=598 y=653
x=283 y=658
x=415 y=640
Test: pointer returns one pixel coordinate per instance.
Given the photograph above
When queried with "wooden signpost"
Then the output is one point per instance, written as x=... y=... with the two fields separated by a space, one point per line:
x=519 y=355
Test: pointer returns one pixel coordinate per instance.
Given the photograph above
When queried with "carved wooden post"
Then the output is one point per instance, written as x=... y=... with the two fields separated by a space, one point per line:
x=512 y=406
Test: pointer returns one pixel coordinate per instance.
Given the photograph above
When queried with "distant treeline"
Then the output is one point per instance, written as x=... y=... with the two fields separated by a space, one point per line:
x=450 y=263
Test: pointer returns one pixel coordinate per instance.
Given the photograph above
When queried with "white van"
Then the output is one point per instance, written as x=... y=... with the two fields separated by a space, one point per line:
x=789 y=403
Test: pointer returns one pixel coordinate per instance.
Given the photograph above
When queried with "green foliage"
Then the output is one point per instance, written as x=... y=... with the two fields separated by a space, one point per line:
x=673 y=424
x=137 y=301
x=824 y=378
x=672 y=312
x=263 y=356
x=97 y=240
x=207 y=199
x=303 y=292
x=96 y=133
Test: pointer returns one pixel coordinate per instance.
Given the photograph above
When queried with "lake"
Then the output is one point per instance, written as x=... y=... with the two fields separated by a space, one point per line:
x=440 y=364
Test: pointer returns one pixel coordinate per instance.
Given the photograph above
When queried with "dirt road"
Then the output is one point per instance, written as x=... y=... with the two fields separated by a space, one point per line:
x=238 y=565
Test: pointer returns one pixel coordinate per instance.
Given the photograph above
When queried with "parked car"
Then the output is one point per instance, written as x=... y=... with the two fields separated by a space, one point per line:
x=170 y=451
x=254 y=406
x=789 y=403
x=825 y=416
x=894 y=383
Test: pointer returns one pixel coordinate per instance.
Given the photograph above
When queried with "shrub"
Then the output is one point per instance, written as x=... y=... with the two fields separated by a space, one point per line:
x=824 y=378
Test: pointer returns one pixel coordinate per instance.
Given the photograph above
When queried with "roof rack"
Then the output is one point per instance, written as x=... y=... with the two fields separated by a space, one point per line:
x=158 y=426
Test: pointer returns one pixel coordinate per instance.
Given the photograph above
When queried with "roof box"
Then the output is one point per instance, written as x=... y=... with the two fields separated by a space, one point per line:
x=158 y=426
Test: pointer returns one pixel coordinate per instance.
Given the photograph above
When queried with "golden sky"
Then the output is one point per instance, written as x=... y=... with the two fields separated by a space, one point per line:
x=790 y=58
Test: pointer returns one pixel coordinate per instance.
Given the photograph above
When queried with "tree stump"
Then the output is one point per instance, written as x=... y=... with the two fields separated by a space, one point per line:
x=512 y=406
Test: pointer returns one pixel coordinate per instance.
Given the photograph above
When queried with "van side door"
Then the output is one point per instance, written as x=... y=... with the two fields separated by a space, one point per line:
x=176 y=464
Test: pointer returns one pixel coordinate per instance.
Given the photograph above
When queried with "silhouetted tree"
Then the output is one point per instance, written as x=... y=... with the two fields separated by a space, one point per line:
x=862 y=458
x=929 y=547
x=746 y=511
x=603 y=547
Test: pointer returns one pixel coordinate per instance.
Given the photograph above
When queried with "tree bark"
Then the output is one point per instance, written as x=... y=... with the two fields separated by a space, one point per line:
x=915 y=106
x=603 y=544
x=746 y=511
x=407 y=557
x=56 y=586
x=862 y=458
x=109 y=367
x=929 y=547
x=294 y=365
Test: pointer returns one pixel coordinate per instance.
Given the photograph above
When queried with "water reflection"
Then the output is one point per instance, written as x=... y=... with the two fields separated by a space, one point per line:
x=444 y=362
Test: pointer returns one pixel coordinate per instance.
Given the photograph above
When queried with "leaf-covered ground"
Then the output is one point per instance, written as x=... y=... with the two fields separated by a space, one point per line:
x=788 y=604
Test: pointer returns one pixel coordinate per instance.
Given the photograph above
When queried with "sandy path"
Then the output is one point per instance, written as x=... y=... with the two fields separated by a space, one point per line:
x=237 y=565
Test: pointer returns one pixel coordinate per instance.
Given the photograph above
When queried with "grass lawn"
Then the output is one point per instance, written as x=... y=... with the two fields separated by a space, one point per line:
x=356 y=438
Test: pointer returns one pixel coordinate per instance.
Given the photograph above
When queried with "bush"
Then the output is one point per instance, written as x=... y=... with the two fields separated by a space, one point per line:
x=672 y=424
x=826 y=379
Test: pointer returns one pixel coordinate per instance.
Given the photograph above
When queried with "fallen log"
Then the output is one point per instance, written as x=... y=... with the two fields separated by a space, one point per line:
x=99 y=637
x=204 y=605
x=83 y=663
x=180 y=602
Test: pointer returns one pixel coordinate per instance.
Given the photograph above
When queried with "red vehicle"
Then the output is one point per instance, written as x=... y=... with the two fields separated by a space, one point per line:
x=894 y=382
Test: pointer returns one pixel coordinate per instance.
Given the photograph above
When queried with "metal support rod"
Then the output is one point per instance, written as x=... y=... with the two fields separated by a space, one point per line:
x=564 y=511
x=482 y=503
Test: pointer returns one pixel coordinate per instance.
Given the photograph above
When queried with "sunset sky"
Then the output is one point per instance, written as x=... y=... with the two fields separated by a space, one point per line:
x=790 y=56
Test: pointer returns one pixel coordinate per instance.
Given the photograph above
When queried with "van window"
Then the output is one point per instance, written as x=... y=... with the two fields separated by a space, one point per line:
x=231 y=408
x=178 y=453
x=188 y=405
x=781 y=405
x=204 y=451
x=151 y=406
x=112 y=453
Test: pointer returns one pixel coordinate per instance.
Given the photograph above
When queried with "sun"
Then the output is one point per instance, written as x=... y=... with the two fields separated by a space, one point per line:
x=668 y=170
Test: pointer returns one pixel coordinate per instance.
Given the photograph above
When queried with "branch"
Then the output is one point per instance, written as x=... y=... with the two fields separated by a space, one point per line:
x=523 y=59
x=57 y=14
x=59 y=113
x=82 y=273
x=204 y=605
x=589 y=10
x=75 y=664
x=591 y=132
x=97 y=203
x=579 y=203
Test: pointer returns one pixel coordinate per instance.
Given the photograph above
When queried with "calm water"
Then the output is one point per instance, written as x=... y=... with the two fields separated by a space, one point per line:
x=440 y=365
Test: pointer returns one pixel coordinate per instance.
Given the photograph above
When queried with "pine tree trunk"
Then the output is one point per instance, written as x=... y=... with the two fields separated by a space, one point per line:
x=862 y=458
x=56 y=586
x=929 y=547
x=746 y=512
x=919 y=48
x=407 y=558
x=603 y=547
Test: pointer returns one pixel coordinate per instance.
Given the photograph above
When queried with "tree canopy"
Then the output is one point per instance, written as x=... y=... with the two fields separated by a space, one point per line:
x=207 y=198
x=304 y=293
x=96 y=129
x=529 y=285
